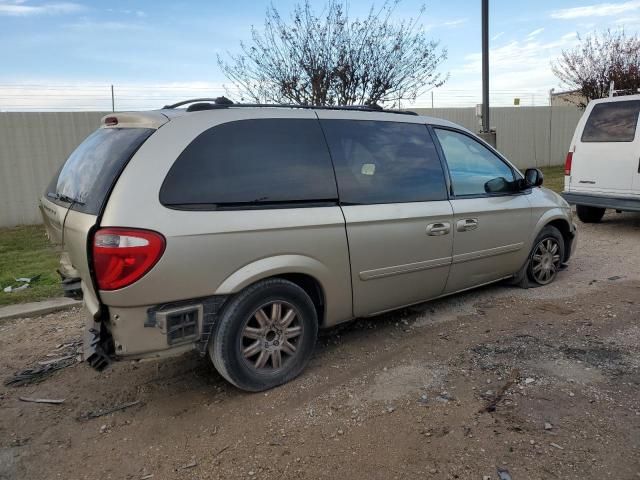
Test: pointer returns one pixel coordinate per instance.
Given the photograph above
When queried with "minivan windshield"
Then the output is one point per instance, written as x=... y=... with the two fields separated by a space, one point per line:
x=92 y=169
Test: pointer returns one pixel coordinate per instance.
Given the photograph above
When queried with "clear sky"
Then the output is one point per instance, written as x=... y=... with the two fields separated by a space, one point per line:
x=66 y=54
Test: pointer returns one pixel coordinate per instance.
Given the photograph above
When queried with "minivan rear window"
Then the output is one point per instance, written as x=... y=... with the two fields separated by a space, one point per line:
x=255 y=163
x=91 y=170
x=612 y=122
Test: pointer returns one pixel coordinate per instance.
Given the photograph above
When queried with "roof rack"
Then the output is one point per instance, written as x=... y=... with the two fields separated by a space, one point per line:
x=198 y=104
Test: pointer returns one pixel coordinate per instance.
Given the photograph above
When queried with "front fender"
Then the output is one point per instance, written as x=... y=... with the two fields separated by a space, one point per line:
x=555 y=215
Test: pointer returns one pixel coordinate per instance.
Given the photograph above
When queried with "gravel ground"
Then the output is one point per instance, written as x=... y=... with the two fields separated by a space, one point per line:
x=540 y=383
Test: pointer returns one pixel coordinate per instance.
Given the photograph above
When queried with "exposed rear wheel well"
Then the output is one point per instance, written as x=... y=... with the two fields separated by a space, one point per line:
x=565 y=230
x=312 y=288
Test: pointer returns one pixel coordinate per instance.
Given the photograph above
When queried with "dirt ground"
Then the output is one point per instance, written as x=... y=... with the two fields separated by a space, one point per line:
x=400 y=396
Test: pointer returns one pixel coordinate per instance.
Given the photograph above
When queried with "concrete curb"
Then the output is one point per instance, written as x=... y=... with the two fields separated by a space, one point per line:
x=35 y=309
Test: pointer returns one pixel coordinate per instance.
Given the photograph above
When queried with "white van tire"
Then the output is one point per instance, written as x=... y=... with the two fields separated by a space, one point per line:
x=589 y=214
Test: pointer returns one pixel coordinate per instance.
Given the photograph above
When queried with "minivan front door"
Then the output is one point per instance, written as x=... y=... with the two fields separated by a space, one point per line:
x=398 y=218
x=491 y=229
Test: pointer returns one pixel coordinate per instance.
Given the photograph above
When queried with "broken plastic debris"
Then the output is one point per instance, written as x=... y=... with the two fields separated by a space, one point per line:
x=504 y=474
x=26 y=281
x=10 y=289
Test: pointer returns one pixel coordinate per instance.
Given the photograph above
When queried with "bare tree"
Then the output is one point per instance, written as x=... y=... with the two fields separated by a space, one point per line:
x=599 y=59
x=331 y=59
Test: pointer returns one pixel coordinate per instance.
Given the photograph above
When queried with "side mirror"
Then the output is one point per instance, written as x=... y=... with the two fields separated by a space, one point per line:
x=498 y=185
x=533 y=177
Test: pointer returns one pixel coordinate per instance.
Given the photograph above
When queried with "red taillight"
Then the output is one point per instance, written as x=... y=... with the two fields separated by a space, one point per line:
x=121 y=256
x=111 y=121
x=567 y=163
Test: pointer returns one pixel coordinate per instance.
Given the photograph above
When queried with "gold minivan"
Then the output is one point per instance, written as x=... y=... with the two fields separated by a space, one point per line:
x=239 y=230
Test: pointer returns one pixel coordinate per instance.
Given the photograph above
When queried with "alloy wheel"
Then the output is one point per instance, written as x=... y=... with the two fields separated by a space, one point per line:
x=270 y=336
x=545 y=261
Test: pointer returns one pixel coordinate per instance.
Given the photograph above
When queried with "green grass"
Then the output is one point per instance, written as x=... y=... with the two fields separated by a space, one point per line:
x=553 y=178
x=26 y=252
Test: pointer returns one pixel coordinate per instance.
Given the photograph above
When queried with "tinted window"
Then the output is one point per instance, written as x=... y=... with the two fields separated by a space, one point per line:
x=258 y=161
x=384 y=162
x=471 y=164
x=93 y=167
x=612 y=122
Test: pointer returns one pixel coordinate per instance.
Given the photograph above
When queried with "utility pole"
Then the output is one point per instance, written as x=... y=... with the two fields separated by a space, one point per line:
x=486 y=125
x=486 y=133
x=113 y=100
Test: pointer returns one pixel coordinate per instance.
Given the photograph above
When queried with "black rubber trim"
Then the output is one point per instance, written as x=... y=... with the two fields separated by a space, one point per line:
x=616 y=203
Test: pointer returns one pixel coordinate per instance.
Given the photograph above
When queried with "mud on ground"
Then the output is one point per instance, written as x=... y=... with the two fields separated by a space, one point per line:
x=544 y=383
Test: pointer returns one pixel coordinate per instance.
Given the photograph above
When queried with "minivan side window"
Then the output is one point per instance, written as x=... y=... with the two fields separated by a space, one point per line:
x=384 y=162
x=471 y=164
x=612 y=122
x=252 y=163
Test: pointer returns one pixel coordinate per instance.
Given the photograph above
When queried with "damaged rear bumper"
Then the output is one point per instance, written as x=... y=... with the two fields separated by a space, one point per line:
x=158 y=331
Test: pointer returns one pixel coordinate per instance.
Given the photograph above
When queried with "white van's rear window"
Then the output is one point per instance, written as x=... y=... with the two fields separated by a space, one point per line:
x=612 y=122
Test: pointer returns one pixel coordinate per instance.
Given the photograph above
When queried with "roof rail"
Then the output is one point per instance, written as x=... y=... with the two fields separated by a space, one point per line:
x=223 y=102
x=217 y=101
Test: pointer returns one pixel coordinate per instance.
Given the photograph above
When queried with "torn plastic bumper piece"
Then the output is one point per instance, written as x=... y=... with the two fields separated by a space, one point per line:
x=98 y=347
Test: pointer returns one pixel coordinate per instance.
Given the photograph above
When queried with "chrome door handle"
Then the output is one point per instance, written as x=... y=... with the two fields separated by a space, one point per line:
x=467 y=224
x=437 y=229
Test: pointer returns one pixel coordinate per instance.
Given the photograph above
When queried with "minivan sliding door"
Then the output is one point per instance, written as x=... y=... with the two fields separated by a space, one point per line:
x=398 y=219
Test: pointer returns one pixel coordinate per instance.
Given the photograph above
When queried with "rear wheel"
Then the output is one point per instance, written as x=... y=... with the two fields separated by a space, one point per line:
x=546 y=256
x=265 y=335
x=590 y=214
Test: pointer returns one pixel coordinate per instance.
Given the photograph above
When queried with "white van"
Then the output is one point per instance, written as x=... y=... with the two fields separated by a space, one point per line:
x=602 y=169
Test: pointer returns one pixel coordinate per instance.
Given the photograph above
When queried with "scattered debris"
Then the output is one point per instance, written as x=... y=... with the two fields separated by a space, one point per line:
x=504 y=474
x=102 y=413
x=615 y=277
x=444 y=397
x=147 y=476
x=529 y=380
x=223 y=449
x=493 y=403
x=11 y=289
x=38 y=374
x=47 y=367
x=548 y=426
x=55 y=360
x=25 y=281
x=52 y=401
x=193 y=463
x=555 y=445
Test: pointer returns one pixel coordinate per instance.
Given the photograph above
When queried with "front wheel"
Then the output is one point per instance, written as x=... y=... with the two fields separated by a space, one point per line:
x=265 y=335
x=546 y=256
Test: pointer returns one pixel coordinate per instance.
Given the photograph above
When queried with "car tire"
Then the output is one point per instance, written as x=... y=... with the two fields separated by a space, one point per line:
x=546 y=257
x=265 y=335
x=590 y=214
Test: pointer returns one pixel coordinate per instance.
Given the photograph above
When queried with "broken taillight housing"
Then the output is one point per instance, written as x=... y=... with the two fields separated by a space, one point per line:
x=122 y=256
